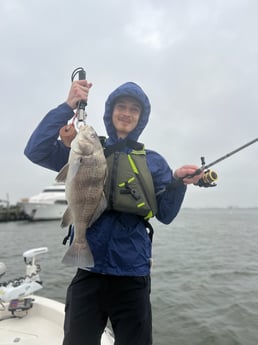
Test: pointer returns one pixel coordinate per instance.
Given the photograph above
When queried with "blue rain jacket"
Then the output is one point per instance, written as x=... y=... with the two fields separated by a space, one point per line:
x=119 y=241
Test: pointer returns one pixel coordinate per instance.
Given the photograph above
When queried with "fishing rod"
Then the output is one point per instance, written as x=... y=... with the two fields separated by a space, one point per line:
x=211 y=176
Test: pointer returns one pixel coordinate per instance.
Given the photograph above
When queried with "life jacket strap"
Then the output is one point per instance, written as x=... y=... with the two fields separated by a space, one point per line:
x=67 y=237
x=149 y=229
x=131 y=144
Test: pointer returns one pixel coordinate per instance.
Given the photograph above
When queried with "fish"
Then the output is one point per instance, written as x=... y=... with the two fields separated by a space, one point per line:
x=84 y=176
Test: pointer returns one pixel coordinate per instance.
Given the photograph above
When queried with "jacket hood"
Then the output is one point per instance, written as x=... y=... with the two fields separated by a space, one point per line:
x=133 y=90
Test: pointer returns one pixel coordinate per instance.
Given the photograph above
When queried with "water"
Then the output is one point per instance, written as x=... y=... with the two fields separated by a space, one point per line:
x=204 y=276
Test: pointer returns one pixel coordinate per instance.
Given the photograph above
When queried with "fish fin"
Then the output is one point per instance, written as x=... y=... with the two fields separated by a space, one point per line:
x=99 y=209
x=67 y=218
x=61 y=177
x=79 y=255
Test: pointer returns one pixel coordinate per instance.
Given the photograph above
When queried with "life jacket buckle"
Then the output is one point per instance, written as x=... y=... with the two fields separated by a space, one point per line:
x=128 y=190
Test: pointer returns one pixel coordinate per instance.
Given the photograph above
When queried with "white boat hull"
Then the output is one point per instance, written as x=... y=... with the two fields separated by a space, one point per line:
x=40 y=211
x=43 y=324
x=50 y=204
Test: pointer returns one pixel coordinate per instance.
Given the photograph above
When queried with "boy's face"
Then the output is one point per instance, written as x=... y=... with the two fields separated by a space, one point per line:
x=126 y=114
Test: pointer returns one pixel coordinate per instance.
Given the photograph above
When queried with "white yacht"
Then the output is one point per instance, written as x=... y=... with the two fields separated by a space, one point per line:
x=50 y=204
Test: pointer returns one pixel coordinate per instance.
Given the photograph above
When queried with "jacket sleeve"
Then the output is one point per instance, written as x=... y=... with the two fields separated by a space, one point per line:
x=44 y=148
x=170 y=201
x=170 y=194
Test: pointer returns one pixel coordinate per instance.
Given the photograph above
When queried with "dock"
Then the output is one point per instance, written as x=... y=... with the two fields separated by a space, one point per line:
x=11 y=213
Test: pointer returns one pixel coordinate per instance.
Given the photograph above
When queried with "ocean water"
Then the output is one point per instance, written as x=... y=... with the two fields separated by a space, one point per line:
x=204 y=275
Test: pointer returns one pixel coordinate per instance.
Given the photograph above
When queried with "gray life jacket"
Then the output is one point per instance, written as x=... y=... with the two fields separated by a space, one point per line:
x=129 y=186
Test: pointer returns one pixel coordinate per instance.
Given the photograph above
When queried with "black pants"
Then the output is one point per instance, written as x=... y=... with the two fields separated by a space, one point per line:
x=93 y=298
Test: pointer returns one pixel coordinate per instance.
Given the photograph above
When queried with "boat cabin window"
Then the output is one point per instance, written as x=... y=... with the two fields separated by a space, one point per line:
x=53 y=190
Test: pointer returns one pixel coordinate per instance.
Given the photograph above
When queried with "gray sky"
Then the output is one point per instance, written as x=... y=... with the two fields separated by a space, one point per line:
x=196 y=60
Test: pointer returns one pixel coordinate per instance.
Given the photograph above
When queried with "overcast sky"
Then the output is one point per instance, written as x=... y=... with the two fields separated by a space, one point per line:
x=196 y=59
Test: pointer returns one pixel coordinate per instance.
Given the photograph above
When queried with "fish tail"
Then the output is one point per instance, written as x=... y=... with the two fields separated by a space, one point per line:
x=79 y=255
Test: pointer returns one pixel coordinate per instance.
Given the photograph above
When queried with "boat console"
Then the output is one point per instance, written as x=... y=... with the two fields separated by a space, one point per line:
x=31 y=319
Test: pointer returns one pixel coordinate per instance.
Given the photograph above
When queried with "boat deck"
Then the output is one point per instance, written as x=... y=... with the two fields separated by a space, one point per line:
x=40 y=325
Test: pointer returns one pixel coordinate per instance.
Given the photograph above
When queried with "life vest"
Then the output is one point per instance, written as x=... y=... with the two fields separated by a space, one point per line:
x=129 y=186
